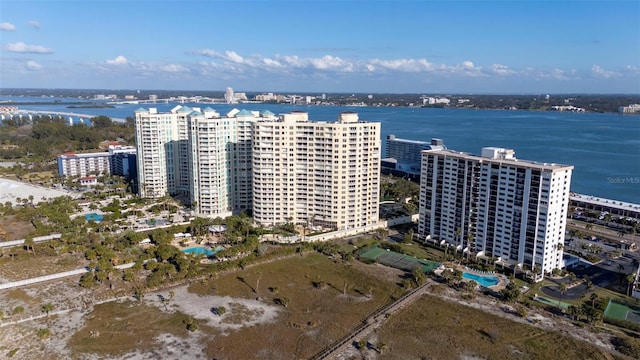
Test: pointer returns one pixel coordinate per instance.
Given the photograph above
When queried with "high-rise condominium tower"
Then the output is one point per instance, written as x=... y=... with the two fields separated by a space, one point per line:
x=319 y=173
x=282 y=169
x=496 y=206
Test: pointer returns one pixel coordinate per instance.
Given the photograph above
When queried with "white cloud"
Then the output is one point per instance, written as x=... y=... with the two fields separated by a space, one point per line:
x=272 y=63
x=32 y=65
x=119 y=60
x=499 y=69
x=5 y=26
x=602 y=73
x=207 y=52
x=34 y=24
x=632 y=69
x=328 y=62
x=174 y=68
x=233 y=56
x=20 y=47
x=403 y=65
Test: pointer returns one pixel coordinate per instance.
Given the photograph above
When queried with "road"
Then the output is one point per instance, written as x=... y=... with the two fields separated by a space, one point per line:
x=601 y=231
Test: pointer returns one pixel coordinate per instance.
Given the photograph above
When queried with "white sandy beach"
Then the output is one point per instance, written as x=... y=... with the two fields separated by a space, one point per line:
x=10 y=190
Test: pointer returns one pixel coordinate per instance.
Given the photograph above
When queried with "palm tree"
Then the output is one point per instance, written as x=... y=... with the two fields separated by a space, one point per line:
x=575 y=312
x=563 y=289
x=630 y=279
x=469 y=244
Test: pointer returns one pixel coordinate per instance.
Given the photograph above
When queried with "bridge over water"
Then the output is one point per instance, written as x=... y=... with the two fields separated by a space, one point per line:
x=70 y=116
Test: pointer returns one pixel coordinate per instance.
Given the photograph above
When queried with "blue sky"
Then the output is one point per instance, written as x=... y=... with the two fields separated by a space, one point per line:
x=323 y=46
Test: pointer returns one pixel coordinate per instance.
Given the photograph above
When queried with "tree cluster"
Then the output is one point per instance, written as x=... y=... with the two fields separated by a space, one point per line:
x=47 y=136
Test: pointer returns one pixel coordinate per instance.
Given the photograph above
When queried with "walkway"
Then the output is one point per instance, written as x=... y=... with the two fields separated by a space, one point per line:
x=373 y=322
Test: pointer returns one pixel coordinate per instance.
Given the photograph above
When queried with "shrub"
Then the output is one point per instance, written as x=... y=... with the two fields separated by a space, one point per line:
x=192 y=324
x=12 y=352
x=44 y=333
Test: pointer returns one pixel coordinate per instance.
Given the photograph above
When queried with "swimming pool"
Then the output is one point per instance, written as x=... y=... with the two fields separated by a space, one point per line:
x=199 y=250
x=94 y=217
x=485 y=281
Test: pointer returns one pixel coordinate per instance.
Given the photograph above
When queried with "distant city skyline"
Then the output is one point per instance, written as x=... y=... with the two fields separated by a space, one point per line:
x=483 y=47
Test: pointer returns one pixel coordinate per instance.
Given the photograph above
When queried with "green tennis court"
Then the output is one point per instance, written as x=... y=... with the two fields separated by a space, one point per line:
x=622 y=312
x=397 y=260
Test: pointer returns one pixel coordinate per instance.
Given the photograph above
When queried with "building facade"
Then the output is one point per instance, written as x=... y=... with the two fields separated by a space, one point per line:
x=496 y=206
x=280 y=168
x=403 y=156
x=316 y=173
x=117 y=160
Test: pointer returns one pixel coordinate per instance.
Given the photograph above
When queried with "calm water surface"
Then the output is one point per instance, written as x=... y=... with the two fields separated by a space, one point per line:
x=603 y=148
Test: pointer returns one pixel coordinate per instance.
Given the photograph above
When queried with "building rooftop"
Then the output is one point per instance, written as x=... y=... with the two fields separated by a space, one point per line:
x=244 y=112
x=185 y=109
x=604 y=202
x=511 y=161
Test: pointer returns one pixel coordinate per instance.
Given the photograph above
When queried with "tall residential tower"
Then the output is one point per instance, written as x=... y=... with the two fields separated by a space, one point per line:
x=496 y=206
x=317 y=173
x=282 y=169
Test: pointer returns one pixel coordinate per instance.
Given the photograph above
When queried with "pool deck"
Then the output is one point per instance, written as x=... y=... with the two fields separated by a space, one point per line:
x=502 y=280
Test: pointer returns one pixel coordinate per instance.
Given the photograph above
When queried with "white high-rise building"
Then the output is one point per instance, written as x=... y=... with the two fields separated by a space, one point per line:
x=197 y=153
x=495 y=205
x=229 y=96
x=284 y=168
x=162 y=147
x=316 y=173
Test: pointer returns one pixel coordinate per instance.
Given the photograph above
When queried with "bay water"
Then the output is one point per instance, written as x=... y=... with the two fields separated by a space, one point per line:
x=603 y=148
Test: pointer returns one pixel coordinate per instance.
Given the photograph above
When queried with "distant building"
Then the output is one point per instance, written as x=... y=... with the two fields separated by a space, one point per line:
x=500 y=208
x=631 y=109
x=435 y=101
x=613 y=207
x=229 y=96
x=636 y=285
x=88 y=181
x=82 y=165
x=117 y=160
x=403 y=157
x=567 y=108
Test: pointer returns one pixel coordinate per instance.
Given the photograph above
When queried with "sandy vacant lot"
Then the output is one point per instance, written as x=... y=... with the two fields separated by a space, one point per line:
x=10 y=190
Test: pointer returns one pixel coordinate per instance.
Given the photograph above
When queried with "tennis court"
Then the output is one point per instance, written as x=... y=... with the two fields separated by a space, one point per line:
x=622 y=312
x=398 y=260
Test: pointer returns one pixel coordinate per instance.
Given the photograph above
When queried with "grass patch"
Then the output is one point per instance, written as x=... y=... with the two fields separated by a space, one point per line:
x=455 y=331
x=114 y=329
x=27 y=265
x=314 y=316
x=20 y=295
x=422 y=251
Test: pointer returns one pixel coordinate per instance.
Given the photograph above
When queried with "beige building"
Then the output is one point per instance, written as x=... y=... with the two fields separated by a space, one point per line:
x=316 y=173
